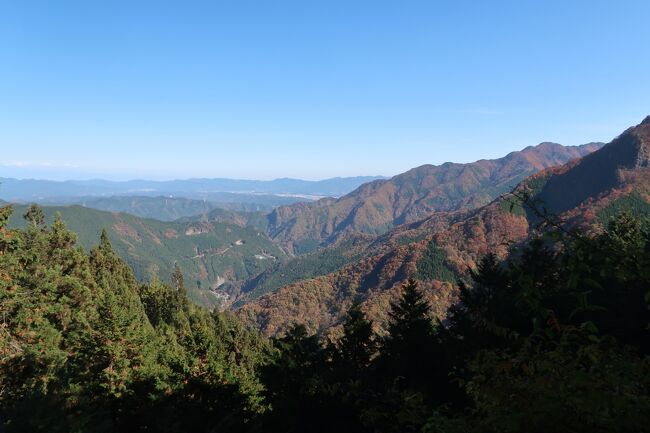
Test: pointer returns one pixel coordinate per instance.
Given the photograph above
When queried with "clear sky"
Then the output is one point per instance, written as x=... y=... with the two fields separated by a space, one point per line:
x=310 y=89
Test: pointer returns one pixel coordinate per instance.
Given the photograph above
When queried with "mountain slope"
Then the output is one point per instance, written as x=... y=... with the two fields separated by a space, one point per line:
x=599 y=172
x=442 y=247
x=377 y=206
x=210 y=253
x=160 y=208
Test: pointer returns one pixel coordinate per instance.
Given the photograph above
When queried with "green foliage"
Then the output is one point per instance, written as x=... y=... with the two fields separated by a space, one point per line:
x=302 y=267
x=433 y=265
x=84 y=348
x=206 y=252
x=306 y=246
x=358 y=345
x=35 y=215
x=512 y=204
x=410 y=320
x=632 y=203
x=405 y=240
x=558 y=331
x=554 y=339
x=536 y=184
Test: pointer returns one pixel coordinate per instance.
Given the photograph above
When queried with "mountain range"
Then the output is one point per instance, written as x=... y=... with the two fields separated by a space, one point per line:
x=30 y=190
x=173 y=208
x=378 y=206
x=307 y=262
x=582 y=194
x=216 y=250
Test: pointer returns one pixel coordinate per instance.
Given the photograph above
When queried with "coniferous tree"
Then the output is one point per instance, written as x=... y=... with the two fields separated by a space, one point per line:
x=410 y=326
x=358 y=344
x=35 y=215
x=407 y=372
x=178 y=281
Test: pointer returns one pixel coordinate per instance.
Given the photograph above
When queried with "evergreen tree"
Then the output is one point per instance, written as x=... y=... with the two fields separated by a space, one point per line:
x=178 y=281
x=556 y=338
x=407 y=375
x=354 y=351
x=35 y=215
x=410 y=326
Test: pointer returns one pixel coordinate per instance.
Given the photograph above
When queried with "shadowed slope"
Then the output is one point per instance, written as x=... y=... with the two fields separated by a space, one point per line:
x=376 y=207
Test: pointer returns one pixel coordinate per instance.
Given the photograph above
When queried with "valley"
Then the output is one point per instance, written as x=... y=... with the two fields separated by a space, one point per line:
x=232 y=255
x=324 y=217
x=238 y=294
x=212 y=254
x=444 y=247
x=308 y=261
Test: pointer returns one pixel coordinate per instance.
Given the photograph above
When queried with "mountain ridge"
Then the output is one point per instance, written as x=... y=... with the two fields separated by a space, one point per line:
x=12 y=189
x=444 y=246
x=377 y=206
x=210 y=253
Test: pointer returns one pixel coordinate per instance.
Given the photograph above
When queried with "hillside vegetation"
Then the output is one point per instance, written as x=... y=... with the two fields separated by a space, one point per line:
x=210 y=253
x=168 y=208
x=447 y=246
x=554 y=338
x=376 y=207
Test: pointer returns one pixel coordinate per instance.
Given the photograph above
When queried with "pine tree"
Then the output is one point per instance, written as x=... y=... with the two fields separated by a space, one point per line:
x=105 y=242
x=410 y=320
x=178 y=281
x=5 y=213
x=35 y=215
x=357 y=346
x=407 y=350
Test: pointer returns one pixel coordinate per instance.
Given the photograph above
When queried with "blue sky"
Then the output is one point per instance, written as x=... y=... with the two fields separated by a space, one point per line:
x=310 y=89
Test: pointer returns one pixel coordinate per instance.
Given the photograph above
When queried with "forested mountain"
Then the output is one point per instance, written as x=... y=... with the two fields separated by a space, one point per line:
x=555 y=338
x=85 y=348
x=443 y=247
x=160 y=208
x=172 y=208
x=516 y=316
x=376 y=207
x=207 y=252
x=213 y=252
x=621 y=165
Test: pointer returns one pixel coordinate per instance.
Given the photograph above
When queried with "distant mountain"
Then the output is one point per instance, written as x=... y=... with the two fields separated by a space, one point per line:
x=168 y=208
x=376 y=207
x=28 y=190
x=211 y=253
x=583 y=193
x=351 y=243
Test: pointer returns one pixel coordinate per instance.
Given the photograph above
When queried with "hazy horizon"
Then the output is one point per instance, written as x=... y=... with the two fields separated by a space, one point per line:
x=22 y=172
x=171 y=179
x=158 y=90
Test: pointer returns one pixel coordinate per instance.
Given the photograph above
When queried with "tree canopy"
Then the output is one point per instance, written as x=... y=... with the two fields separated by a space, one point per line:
x=555 y=338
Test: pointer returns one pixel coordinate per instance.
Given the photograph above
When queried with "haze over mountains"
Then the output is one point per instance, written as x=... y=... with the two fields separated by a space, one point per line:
x=206 y=189
x=260 y=255
x=177 y=255
x=237 y=254
x=219 y=250
x=437 y=250
x=413 y=242
x=377 y=206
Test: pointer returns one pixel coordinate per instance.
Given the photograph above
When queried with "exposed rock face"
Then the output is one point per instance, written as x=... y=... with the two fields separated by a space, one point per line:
x=198 y=229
